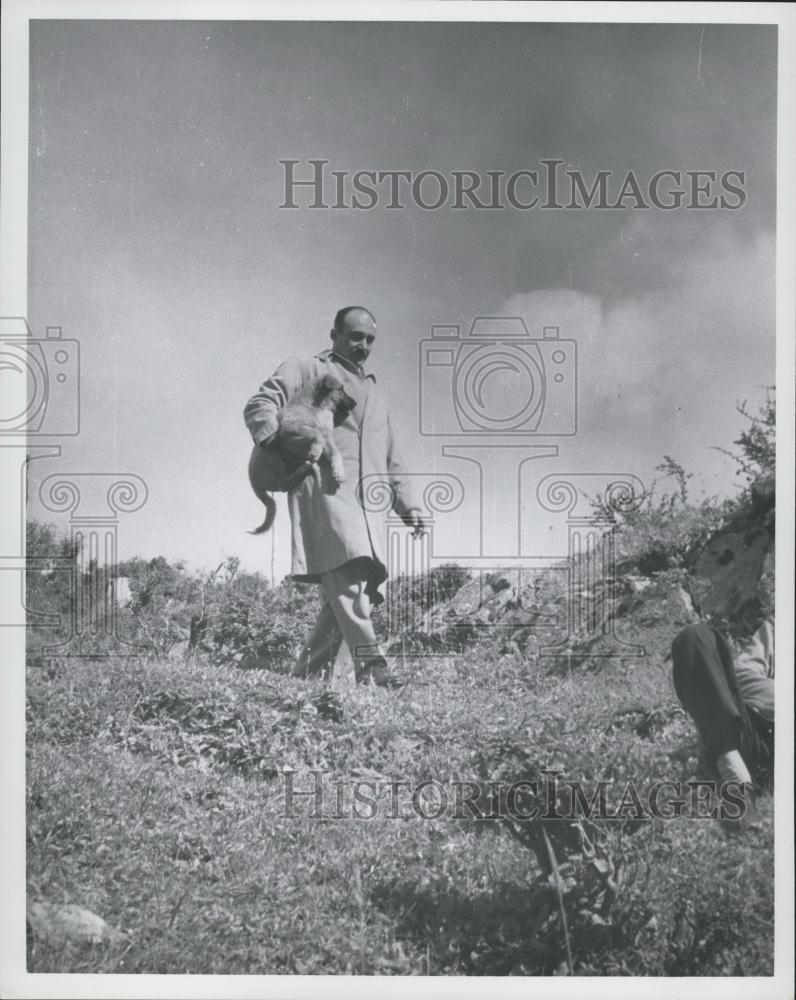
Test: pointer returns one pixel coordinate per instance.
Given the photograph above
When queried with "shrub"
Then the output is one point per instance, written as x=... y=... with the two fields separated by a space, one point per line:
x=660 y=531
x=253 y=624
x=757 y=455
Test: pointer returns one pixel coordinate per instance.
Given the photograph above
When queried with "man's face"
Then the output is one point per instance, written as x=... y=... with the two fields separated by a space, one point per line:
x=355 y=338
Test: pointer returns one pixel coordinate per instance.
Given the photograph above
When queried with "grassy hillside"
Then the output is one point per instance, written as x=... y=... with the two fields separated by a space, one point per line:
x=159 y=787
x=154 y=799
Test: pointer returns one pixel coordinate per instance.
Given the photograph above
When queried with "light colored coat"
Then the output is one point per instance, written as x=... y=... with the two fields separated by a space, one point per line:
x=330 y=528
x=754 y=670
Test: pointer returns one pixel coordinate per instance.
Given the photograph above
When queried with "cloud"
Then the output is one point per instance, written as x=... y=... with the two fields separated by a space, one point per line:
x=663 y=372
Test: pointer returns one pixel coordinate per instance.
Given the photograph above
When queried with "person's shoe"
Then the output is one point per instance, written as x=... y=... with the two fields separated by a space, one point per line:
x=748 y=819
x=732 y=767
x=379 y=675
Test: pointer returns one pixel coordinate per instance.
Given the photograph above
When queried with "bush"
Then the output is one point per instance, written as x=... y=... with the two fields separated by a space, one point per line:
x=666 y=528
x=757 y=455
x=660 y=531
x=254 y=625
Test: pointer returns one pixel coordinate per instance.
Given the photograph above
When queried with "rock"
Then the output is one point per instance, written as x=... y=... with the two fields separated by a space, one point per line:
x=685 y=597
x=728 y=570
x=498 y=599
x=56 y=925
x=763 y=494
x=179 y=650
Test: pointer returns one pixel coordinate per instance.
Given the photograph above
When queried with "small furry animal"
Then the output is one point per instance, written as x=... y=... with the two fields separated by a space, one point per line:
x=306 y=427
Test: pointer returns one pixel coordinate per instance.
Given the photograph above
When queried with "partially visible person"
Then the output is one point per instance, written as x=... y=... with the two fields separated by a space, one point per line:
x=730 y=696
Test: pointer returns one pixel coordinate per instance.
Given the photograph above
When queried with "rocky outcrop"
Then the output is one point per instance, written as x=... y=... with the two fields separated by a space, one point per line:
x=733 y=573
x=563 y=612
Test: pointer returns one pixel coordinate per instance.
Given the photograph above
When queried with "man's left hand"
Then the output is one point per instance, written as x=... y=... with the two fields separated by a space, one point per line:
x=414 y=519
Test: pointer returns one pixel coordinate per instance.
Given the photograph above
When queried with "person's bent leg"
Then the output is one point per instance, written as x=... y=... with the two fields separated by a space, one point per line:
x=320 y=651
x=701 y=680
x=346 y=590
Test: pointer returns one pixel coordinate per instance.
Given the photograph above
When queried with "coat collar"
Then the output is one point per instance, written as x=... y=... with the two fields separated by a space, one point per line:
x=348 y=365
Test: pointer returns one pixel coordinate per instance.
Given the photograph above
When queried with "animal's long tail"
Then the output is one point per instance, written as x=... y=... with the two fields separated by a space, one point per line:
x=270 y=513
x=270 y=504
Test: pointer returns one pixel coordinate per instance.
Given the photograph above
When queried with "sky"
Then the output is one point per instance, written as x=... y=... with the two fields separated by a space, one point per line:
x=156 y=239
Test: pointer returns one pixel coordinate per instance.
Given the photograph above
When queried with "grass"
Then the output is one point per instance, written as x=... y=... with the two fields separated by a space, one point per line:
x=157 y=799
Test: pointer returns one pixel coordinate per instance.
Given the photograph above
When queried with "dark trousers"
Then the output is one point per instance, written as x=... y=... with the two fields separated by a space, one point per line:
x=704 y=679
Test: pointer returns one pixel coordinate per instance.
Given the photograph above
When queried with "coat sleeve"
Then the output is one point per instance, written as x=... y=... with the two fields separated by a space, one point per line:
x=757 y=654
x=404 y=495
x=260 y=413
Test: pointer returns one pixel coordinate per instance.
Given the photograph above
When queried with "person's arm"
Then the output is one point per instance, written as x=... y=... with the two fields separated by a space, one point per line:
x=766 y=634
x=405 y=503
x=756 y=655
x=261 y=412
x=754 y=671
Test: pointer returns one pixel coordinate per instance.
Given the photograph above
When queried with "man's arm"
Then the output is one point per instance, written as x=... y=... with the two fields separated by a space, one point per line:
x=260 y=413
x=754 y=671
x=405 y=502
x=757 y=653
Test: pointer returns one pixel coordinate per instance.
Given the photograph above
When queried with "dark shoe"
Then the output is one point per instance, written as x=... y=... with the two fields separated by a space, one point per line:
x=379 y=675
x=749 y=818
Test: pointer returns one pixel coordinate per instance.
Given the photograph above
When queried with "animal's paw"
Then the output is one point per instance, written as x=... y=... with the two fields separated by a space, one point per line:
x=337 y=477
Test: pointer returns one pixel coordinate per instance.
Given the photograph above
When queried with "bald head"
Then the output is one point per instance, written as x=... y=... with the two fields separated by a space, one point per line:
x=341 y=315
x=353 y=334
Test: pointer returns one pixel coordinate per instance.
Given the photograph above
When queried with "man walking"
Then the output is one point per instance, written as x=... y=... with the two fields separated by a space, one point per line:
x=336 y=541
